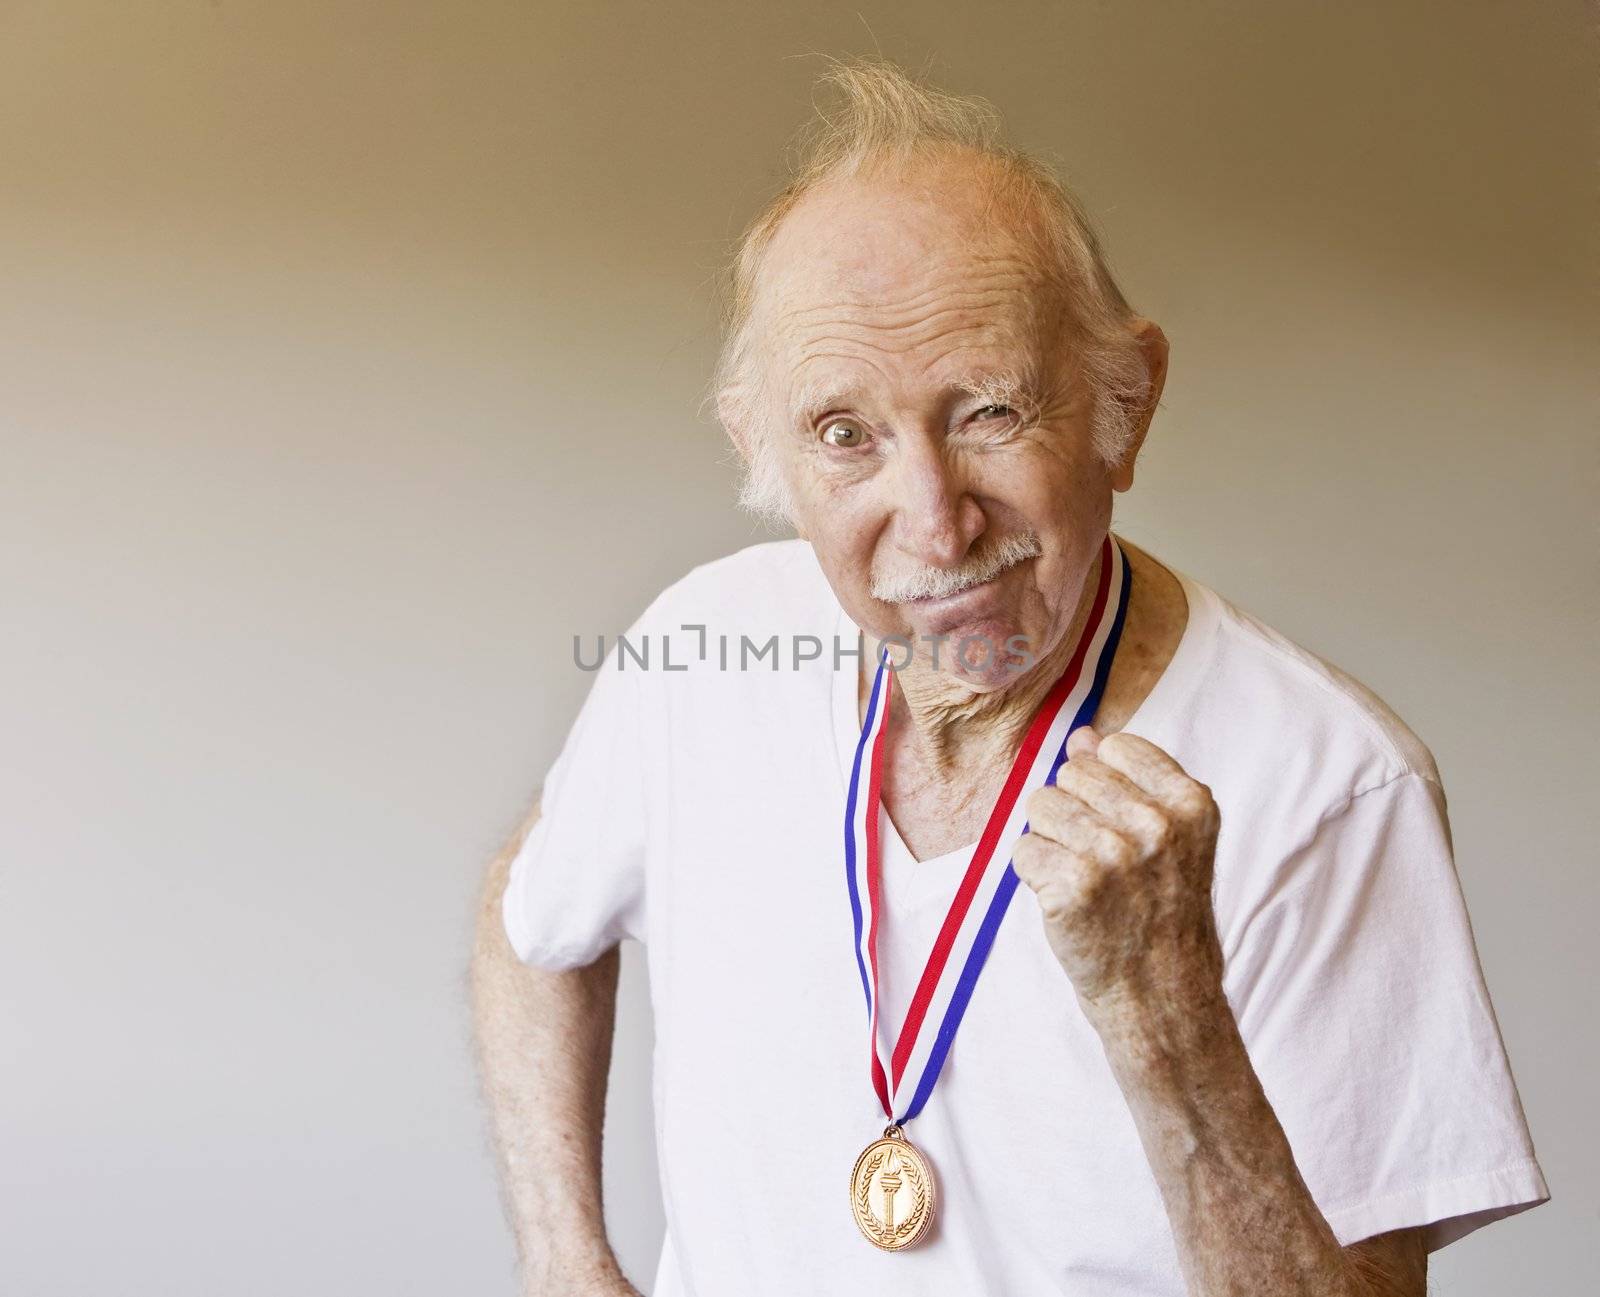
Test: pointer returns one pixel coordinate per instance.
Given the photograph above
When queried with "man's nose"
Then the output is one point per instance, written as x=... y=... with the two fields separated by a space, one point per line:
x=936 y=517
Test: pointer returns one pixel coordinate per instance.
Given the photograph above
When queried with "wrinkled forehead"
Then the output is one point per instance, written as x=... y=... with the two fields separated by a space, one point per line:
x=931 y=273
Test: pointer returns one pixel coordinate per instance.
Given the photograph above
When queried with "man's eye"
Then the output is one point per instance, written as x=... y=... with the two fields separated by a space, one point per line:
x=843 y=433
x=993 y=412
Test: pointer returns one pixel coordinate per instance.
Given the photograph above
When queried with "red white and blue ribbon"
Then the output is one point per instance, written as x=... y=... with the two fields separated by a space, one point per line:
x=967 y=935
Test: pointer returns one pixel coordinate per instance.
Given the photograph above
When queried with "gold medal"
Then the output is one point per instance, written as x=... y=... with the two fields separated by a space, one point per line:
x=892 y=1192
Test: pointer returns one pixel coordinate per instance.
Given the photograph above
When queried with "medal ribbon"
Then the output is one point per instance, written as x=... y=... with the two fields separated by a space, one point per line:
x=968 y=932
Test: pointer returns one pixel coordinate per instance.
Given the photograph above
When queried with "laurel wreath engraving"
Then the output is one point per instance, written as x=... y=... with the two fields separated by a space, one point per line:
x=919 y=1199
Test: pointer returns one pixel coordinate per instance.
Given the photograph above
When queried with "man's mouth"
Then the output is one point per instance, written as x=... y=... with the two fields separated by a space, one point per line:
x=973 y=605
x=933 y=600
x=1012 y=553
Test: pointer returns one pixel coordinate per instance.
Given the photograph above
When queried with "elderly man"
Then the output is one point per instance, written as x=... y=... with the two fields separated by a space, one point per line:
x=1022 y=917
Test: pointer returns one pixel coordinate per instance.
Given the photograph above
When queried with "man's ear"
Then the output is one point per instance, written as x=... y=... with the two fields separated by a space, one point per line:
x=1153 y=344
x=733 y=417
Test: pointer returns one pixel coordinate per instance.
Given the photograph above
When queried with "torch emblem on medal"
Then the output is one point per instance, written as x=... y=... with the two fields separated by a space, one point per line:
x=891 y=1192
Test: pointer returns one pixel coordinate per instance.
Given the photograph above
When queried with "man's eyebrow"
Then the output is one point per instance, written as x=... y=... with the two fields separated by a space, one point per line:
x=996 y=387
x=817 y=396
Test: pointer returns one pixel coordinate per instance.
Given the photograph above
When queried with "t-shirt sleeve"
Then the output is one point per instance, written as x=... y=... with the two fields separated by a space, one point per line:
x=577 y=886
x=1363 y=1007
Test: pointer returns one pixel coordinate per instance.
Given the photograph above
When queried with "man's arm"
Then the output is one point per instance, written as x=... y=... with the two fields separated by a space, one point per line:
x=544 y=1052
x=1121 y=853
x=1242 y=1217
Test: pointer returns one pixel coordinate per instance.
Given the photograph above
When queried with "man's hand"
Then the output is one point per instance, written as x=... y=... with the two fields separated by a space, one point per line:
x=1120 y=853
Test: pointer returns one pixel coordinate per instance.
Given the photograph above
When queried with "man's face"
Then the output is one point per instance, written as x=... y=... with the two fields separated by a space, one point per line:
x=932 y=427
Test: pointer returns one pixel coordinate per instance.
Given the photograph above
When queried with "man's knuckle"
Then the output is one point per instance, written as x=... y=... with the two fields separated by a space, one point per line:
x=1046 y=802
x=1195 y=801
x=1153 y=823
x=1118 y=742
x=1031 y=855
x=1087 y=881
x=1111 y=847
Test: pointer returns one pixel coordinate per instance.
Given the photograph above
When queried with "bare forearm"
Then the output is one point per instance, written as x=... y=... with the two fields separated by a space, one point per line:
x=544 y=1050
x=1243 y=1219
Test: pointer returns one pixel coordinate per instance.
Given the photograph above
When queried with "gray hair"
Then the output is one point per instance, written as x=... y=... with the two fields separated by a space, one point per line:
x=888 y=117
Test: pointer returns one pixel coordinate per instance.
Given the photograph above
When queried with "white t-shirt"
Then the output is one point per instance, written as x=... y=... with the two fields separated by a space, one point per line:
x=698 y=808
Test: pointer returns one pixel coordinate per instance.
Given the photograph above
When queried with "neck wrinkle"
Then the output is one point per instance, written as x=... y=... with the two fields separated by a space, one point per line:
x=956 y=729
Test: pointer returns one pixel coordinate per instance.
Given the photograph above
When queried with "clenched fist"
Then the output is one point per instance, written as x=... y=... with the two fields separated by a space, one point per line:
x=1120 y=854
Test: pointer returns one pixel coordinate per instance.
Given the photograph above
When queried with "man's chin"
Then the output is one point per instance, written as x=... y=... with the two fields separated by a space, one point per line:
x=999 y=672
x=980 y=651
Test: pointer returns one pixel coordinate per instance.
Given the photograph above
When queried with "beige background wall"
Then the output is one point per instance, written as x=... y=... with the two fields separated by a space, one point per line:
x=350 y=357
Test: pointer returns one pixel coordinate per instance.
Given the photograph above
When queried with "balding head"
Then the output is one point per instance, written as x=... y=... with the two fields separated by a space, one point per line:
x=896 y=169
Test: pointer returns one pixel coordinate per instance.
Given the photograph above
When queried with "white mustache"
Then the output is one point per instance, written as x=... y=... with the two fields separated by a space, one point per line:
x=942 y=582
